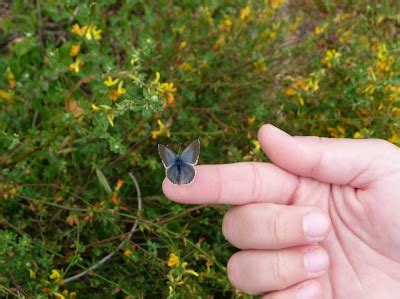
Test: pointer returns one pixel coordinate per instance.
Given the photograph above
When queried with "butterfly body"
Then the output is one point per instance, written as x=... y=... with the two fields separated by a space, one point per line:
x=180 y=168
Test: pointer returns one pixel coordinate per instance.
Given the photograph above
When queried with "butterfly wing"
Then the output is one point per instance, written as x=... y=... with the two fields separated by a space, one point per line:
x=168 y=157
x=182 y=174
x=173 y=174
x=187 y=173
x=191 y=154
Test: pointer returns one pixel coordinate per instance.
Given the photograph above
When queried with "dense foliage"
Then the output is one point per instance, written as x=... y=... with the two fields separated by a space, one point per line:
x=88 y=90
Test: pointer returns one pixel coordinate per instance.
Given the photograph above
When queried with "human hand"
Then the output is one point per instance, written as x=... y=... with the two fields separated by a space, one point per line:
x=322 y=221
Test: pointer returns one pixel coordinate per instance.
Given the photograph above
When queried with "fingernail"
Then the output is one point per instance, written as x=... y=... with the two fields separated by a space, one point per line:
x=315 y=260
x=307 y=291
x=315 y=226
x=277 y=130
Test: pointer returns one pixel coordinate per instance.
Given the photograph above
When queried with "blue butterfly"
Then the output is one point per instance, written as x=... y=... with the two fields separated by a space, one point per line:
x=179 y=169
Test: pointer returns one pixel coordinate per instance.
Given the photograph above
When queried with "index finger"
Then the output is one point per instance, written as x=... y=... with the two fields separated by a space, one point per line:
x=237 y=184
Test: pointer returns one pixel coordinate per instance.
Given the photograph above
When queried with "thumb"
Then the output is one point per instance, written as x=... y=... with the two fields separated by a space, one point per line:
x=355 y=162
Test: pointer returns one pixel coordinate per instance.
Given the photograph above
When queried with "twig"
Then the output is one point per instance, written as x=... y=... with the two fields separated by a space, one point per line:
x=186 y=211
x=30 y=152
x=17 y=286
x=128 y=237
x=9 y=290
x=40 y=26
x=126 y=154
x=4 y=43
x=45 y=248
x=104 y=241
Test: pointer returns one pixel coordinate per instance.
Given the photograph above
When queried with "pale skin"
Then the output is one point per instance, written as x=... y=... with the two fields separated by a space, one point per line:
x=321 y=221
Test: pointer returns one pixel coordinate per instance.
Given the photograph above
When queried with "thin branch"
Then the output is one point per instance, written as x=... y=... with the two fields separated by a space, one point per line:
x=104 y=241
x=185 y=212
x=128 y=237
x=40 y=26
x=17 y=286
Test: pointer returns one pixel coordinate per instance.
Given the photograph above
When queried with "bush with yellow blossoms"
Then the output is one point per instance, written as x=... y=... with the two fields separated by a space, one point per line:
x=89 y=88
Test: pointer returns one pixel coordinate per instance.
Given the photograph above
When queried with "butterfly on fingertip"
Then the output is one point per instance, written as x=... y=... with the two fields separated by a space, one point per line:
x=179 y=168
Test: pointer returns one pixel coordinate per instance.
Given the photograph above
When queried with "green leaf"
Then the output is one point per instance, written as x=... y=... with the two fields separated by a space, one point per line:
x=103 y=181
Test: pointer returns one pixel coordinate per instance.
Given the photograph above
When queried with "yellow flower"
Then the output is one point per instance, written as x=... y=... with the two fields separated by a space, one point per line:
x=7 y=192
x=182 y=45
x=320 y=29
x=296 y=23
x=115 y=94
x=219 y=43
x=312 y=85
x=338 y=132
x=276 y=3
x=260 y=66
x=120 y=183
x=226 y=24
x=78 y=29
x=96 y=33
x=128 y=252
x=245 y=13
x=75 y=50
x=331 y=56
x=157 y=78
x=344 y=36
x=207 y=15
x=357 y=135
x=307 y=85
x=290 y=91
x=171 y=100
x=11 y=79
x=72 y=295
x=110 y=82
x=167 y=88
x=162 y=131
x=369 y=89
x=251 y=120
x=382 y=52
x=75 y=66
x=89 y=32
x=340 y=17
x=269 y=35
x=167 y=91
x=55 y=274
x=395 y=111
x=6 y=95
x=256 y=145
x=120 y=89
x=32 y=274
x=173 y=260
x=186 y=67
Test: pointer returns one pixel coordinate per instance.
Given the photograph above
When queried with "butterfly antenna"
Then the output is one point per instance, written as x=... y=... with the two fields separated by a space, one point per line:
x=179 y=150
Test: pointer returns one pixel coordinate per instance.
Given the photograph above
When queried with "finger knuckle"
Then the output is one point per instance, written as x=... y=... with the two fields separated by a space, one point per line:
x=275 y=230
x=278 y=270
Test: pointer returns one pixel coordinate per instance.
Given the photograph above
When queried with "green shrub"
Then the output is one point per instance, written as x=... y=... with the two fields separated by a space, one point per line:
x=88 y=90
